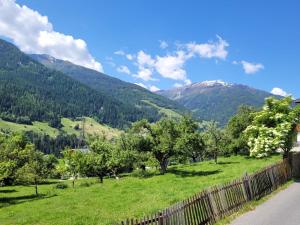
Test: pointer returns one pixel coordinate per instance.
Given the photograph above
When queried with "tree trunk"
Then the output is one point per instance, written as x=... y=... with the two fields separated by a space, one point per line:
x=216 y=157
x=101 y=179
x=36 y=189
x=285 y=154
x=235 y=151
x=194 y=158
x=73 y=183
x=163 y=166
x=143 y=167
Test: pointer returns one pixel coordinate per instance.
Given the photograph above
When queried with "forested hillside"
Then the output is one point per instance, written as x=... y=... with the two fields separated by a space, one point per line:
x=131 y=94
x=32 y=92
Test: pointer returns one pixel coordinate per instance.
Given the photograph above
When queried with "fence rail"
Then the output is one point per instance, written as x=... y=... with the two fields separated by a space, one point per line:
x=219 y=201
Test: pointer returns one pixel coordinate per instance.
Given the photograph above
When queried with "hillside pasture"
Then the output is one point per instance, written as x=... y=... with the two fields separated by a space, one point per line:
x=91 y=127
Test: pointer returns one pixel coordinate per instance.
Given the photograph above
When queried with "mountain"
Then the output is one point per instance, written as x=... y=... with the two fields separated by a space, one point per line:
x=151 y=104
x=30 y=91
x=215 y=100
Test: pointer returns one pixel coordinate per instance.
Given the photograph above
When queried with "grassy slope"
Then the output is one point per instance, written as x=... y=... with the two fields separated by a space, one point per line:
x=38 y=127
x=117 y=199
x=91 y=127
x=167 y=112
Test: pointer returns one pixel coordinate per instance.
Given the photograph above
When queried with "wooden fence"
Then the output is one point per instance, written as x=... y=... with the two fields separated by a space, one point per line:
x=214 y=203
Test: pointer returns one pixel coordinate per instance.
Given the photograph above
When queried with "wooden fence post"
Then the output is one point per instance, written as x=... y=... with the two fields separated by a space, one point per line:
x=161 y=219
x=248 y=187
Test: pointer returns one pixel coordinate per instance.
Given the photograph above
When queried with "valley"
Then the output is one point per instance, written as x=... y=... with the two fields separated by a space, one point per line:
x=147 y=112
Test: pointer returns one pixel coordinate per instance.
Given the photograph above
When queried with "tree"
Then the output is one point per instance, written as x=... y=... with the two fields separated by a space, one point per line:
x=138 y=156
x=36 y=169
x=235 y=129
x=117 y=160
x=190 y=142
x=158 y=138
x=95 y=165
x=74 y=163
x=273 y=128
x=213 y=139
x=13 y=155
x=106 y=156
x=100 y=149
x=21 y=162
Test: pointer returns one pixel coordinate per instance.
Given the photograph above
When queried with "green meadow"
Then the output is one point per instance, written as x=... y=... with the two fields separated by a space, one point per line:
x=131 y=196
x=91 y=126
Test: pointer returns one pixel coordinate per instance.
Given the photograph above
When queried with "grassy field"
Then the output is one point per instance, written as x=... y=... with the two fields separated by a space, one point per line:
x=91 y=127
x=38 y=127
x=117 y=199
x=167 y=112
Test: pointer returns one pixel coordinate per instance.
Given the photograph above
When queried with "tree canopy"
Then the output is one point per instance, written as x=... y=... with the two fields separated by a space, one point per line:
x=273 y=127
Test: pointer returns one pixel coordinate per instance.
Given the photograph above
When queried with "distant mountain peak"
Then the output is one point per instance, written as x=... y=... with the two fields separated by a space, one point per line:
x=210 y=83
x=204 y=84
x=216 y=99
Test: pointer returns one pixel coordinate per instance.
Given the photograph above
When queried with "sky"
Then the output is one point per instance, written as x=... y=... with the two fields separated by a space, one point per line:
x=164 y=44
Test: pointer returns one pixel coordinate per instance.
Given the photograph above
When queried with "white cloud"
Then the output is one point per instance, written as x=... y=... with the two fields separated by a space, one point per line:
x=119 y=52
x=187 y=82
x=123 y=69
x=145 y=65
x=33 y=33
x=141 y=84
x=171 y=66
x=144 y=74
x=251 y=68
x=280 y=92
x=177 y=85
x=209 y=50
x=129 y=57
x=163 y=44
x=122 y=53
x=153 y=88
x=144 y=59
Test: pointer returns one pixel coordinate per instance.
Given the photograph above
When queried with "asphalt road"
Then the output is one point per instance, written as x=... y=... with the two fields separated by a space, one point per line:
x=282 y=209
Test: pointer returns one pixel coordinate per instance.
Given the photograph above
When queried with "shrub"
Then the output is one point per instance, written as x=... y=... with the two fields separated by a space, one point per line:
x=76 y=127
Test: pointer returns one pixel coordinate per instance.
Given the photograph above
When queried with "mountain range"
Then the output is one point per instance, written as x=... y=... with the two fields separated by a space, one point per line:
x=31 y=91
x=216 y=99
x=43 y=88
x=134 y=96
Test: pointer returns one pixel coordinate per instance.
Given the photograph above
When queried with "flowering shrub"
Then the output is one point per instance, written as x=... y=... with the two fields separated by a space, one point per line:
x=272 y=128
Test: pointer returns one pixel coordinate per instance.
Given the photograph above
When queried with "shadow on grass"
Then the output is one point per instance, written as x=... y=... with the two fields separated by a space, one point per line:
x=225 y=163
x=8 y=191
x=46 y=182
x=7 y=201
x=192 y=173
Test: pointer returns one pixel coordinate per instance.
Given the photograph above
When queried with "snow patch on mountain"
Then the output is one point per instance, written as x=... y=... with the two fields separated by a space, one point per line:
x=211 y=83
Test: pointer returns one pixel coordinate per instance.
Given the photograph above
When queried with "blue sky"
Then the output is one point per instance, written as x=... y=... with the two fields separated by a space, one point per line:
x=249 y=42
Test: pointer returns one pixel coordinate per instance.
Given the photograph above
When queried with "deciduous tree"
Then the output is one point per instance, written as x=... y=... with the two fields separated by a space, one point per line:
x=273 y=128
